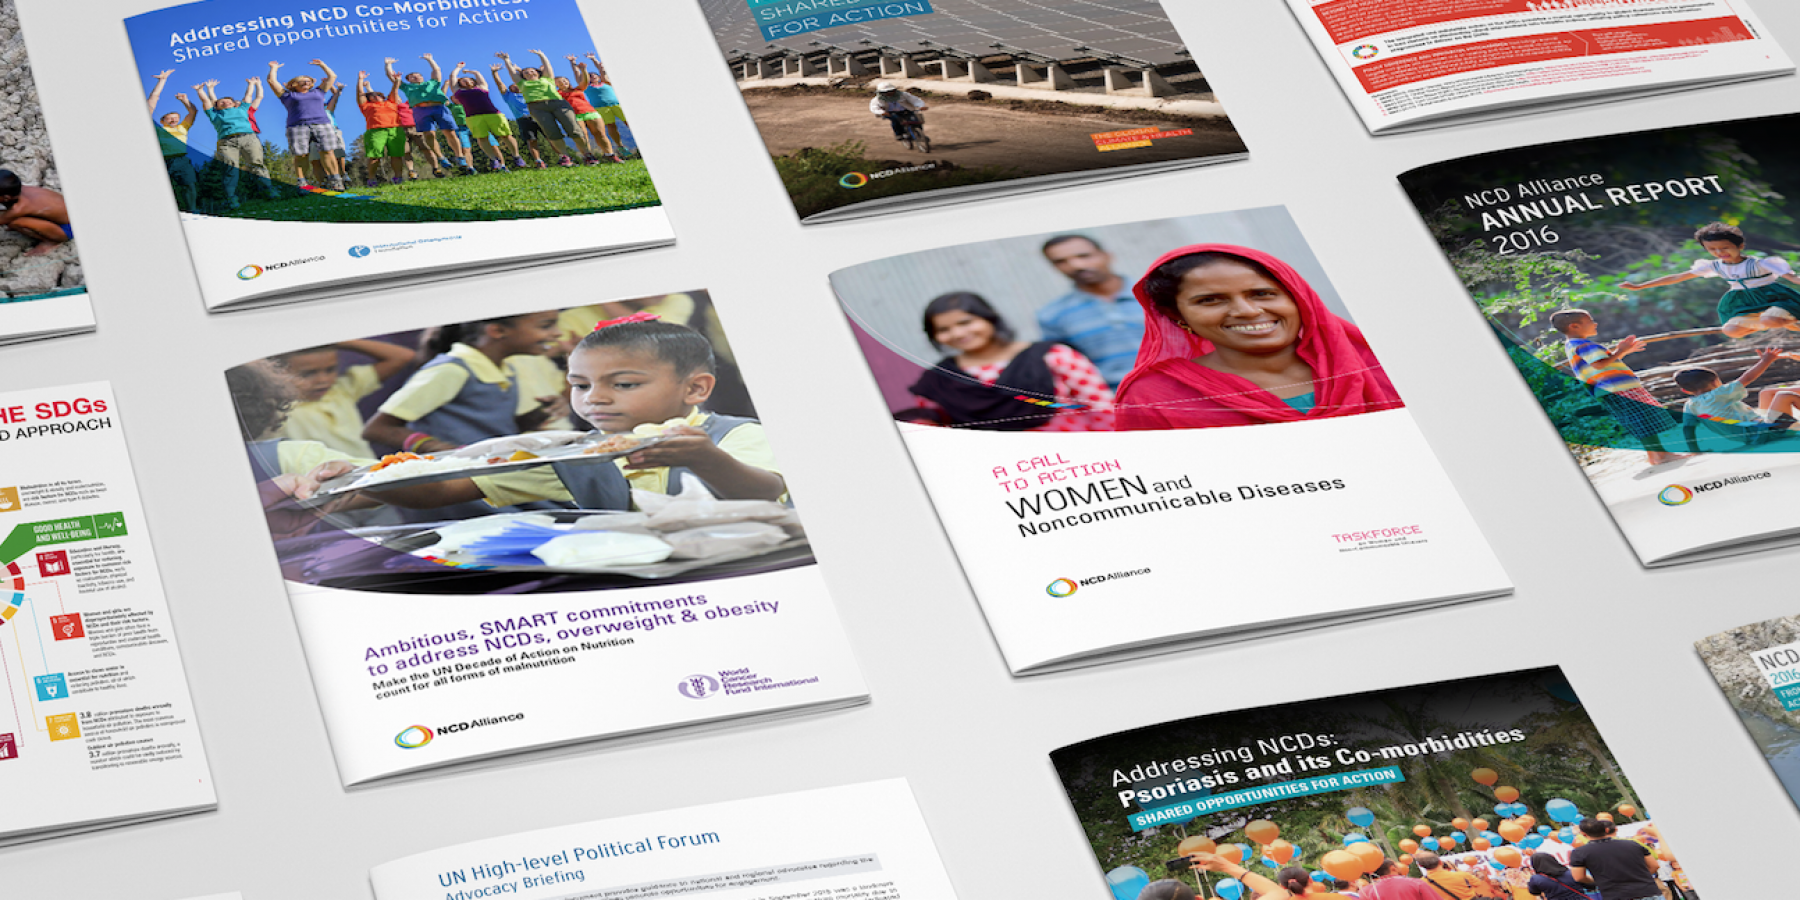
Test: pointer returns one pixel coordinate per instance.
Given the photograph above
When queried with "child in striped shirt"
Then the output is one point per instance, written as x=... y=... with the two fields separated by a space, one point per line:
x=1614 y=384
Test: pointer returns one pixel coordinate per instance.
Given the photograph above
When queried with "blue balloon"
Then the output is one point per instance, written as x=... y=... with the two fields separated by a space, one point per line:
x=1520 y=809
x=1360 y=816
x=1230 y=889
x=1545 y=829
x=1270 y=863
x=1457 y=836
x=1532 y=841
x=1567 y=835
x=1561 y=810
x=1319 y=876
x=1493 y=838
x=1355 y=839
x=1495 y=863
x=1127 y=882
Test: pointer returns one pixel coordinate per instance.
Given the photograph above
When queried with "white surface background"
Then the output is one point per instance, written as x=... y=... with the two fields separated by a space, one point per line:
x=946 y=715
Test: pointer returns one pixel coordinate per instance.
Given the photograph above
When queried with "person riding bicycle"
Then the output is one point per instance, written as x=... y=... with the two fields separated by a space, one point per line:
x=898 y=107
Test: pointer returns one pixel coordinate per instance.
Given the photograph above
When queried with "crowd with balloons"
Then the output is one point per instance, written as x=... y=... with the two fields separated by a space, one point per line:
x=1512 y=857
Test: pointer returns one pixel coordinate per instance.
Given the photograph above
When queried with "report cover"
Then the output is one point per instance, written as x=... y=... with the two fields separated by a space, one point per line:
x=1758 y=668
x=856 y=841
x=98 y=729
x=1409 y=64
x=873 y=106
x=319 y=150
x=1491 y=786
x=1641 y=285
x=1101 y=415
x=43 y=289
x=485 y=525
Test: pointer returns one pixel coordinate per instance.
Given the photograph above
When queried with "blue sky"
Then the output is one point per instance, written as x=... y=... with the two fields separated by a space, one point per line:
x=553 y=26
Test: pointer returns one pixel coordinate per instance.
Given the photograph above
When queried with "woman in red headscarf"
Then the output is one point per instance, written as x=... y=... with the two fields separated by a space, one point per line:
x=1234 y=336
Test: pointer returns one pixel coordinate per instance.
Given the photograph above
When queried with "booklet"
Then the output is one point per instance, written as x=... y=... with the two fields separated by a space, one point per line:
x=43 y=290
x=1101 y=416
x=1411 y=64
x=860 y=840
x=97 y=729
x=1758 y=667
x=1487 y=780
x=316 y=150
x=486 y=525
x=871 y=106
x=1641 y=285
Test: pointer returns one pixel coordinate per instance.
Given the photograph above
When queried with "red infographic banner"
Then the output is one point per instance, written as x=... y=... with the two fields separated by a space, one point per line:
x=1349 y=20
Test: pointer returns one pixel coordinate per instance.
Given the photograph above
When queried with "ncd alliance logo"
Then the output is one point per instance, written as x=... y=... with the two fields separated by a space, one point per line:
x=1678 y=495
x=1061 y=587
x=699 y=687
x=853 y=180
x=414 y=737
x=248 y=272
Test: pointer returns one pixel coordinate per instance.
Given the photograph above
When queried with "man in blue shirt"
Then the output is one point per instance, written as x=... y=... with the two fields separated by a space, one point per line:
x=1099 y=317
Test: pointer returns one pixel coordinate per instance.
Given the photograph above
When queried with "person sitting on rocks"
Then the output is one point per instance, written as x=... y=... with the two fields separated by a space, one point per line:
x=34 y=211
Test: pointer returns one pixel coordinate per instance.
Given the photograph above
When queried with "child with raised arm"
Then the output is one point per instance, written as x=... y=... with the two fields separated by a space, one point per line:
x=253 y=98
x=537 y=84
x=1723 y=403
x=1613 y=383
x=431 y=115
x=325 y=399
x=605 y=101
x=486 y=125
x=237 y=149
x=1757 y=300
x=171 y=134
x=384 y=137
x=574 y=92
x=465 y=393
x=530 y=135
x=308 y=123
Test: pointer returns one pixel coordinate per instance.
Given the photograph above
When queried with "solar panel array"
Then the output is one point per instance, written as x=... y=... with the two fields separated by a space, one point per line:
x=1138 y=29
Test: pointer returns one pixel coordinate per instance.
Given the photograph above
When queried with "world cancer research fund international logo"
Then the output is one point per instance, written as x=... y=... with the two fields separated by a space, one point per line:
x=1366 y=51
x=413 y=737
x=853 y=180
x=1061 y=587
x=698 y=687
x=1674 y=495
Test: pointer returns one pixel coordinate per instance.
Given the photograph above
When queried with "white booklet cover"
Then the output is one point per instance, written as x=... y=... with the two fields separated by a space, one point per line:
x=1159 y=434
x=861 y=840
x=98 y=729
x=507 y=580
x=1408 y=64
x=319 y=151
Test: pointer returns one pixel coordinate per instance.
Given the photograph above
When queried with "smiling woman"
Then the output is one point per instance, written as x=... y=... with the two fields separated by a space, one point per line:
x=993 y=382
x=1234 y=336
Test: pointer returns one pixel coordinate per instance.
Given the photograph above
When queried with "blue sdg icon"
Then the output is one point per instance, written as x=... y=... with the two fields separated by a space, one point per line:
x=359 y=251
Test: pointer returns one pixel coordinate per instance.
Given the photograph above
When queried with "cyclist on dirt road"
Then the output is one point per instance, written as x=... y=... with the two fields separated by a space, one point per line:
x=897 y=106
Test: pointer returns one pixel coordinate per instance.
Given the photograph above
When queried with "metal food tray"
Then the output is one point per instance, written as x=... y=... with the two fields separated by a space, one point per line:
x=572 y=452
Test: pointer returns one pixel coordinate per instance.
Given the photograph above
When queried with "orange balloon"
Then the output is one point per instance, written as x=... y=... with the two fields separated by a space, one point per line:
x=1506 y=794
x=1422 y=830
x=1529 y=822
x=1460 y=824
x=1408 y=845
x=1230 y=853
x=1485 y=776
x=1196 y=844
x=1370 y=855
x=1281 y=851
x=1406 y=858
x=1512 y=831
x=1554 y=836
x=1605 y=817
x=1479 y=824
x=1580 y=839
x=1628 y=811
x=1342 y=865
x=1479 y=844
x=1508 y=857
x=1262 y=831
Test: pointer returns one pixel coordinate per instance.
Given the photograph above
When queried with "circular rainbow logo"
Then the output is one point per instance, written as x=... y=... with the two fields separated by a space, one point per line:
x=1674 y=495
x=1366 y=51
x=853 y=180
x=414 y=737
x=248 y=272
x=10 y=607
x=1061 y=587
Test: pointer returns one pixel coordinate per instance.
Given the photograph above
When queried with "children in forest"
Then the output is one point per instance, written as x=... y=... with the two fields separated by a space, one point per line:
x=34 y=212
x=237 y=149
x=1613 y=383
x=1757 y=299
x=431 y=115
x=384 y=138
x=574 y=91
x=463 y=393
x=171 y=134
x=308 y=124
x=605 y=100
x=486 y=125
x=325 y=400
x=1723 y=403
x=537 y=84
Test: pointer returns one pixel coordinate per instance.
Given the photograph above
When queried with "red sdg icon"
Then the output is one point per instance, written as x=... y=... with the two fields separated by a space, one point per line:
x=53 y=562
x=67 y=628
x=9 y=747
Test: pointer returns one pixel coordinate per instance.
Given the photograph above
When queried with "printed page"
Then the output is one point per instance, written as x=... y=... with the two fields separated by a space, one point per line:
x=1477 y=784
x=1408 y=61
x=43 y=290
x=98 y=726
x=1079 y=457
x=1758 y=668
x=554 y=503
x=1655 y=325
x=862 y=841
x=864 y=102
x=314 y=150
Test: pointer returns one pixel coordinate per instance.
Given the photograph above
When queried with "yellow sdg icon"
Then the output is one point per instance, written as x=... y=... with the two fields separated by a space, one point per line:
x=9 y=500
x=63 y=727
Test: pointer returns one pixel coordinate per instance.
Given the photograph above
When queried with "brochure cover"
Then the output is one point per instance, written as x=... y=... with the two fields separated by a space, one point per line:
x=97 y=728
x=43 y=291
x=1408 y=64
x=872 y=106
x=318 y=150
x=865 y=841
x=480 y=534
x=1758 y=668
x=1641 y=284
x=1089 y=409
x=1494 y=786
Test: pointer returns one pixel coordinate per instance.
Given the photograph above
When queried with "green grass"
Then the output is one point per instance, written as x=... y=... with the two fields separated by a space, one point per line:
x=518 y=194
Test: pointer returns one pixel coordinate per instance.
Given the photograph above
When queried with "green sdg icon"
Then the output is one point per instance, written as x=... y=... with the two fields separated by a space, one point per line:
x=109 y=524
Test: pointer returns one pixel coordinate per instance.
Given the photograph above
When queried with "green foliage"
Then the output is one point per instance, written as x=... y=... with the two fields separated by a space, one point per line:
x=811 y=176
x=519 y=194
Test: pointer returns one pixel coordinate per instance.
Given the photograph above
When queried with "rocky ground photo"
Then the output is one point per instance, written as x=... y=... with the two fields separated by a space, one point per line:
x=25 y=150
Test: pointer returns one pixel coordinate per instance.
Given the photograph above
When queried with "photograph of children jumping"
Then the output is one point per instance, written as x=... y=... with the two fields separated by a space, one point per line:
x=244 y=96
x=1201 y=322
x=38 y=256
x=598 y=446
